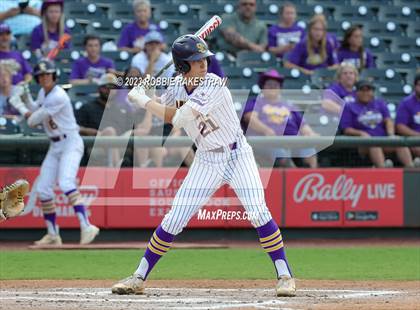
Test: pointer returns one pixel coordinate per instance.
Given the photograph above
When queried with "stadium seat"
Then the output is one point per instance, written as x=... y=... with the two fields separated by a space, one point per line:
x=122 y=59
x=294 y=75
x=258 y=61
x=237 y=72
x=8 y=126
x=376 y=3
x=375 y=44
x=119 y=10
x=105 y=27
x=413 y=4
x=392 y=93
x=208 y=10
x=321 y=78
x=382 y=30
x=75 y=27
x=396 y=14
x=406 y=45
x=354 y=13
x=23 y=42
x=410 y=76
x=83 y=93
x=77 y=40
x=224 y=60
x=83 y=11
x=173 y=13
x=396 y=61
x=413 y=29
x=380 y=75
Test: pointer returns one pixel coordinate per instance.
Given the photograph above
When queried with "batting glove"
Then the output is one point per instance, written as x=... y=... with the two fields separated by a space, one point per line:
x=137 y=96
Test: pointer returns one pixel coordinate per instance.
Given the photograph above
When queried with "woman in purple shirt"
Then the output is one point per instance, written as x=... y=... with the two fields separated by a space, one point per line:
x=46 y=35
x=315 y=51
x=352 y=49
x=346 y=77
x=283 y=37
x=269 y=115
x=367 y=117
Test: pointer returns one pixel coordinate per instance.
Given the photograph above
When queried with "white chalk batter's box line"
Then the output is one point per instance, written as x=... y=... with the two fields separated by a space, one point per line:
x=102 y=295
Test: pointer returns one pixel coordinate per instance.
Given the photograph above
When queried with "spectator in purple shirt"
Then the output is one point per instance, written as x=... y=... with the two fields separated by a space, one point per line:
x=132 y=36
x=315 y=50
x=346 y=77
x=270 y=115
x=46 y=35
x=352 y=49
x=22 y=71
x=408 y=117
x=89 y=69
x=283 y=37
x=367 y=117
x=6 y=91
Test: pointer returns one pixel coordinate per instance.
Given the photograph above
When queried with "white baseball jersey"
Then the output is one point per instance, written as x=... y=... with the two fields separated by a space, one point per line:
x=218 y=125
x=63 y=158
x=61 y=118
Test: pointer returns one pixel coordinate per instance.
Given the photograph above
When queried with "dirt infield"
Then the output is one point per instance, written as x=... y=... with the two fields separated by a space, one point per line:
x=215 y=294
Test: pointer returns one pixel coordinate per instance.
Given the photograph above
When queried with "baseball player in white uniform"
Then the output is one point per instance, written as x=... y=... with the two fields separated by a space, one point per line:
x=204 y=108
x=54 y=111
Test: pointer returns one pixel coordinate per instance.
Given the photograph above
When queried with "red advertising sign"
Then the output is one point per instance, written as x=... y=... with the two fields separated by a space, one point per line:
x=145 y=207
x=273 y=178
x=32 y=215
x=314 y=197
x=378 y=198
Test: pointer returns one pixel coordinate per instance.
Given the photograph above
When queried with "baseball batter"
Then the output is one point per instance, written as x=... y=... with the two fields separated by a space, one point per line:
x=203 y=106
x=53 y=110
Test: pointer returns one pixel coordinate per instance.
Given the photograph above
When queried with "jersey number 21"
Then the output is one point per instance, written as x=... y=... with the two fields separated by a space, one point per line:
x=206 y=125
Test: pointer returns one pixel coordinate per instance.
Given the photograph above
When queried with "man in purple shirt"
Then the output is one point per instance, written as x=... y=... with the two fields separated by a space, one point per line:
x=269 y=115
x=368 y=117
x=132 y=36
x=315 y=51
x=283 y=37
x=408 y=116
x=89 y=69
x=46 y=35
x=22 y=71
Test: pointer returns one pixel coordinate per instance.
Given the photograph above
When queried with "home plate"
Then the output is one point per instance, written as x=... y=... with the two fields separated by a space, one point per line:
x=174 y=298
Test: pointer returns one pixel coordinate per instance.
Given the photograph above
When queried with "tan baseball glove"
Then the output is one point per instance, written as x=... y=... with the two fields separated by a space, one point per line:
x=11 y=199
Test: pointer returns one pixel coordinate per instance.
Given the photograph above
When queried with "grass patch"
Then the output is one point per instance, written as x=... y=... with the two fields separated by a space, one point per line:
x=361 y=263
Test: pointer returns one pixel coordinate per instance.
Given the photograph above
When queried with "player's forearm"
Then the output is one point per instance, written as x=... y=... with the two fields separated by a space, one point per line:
x=404 y=130
x=37 y=117
x=163 y=112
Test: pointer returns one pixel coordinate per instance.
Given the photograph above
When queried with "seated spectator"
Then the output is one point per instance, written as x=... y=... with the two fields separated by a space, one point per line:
x=105 y=116
x=346 y=77
x=214 y=67
x=270 y=115
x=153 y=59
x=20 y=16
x=283 y=37
x=22 y=71
x=369 y=117
x=315 y=50
x=352 y=50
x=89 y=69
x=132 y=36
x=243 y=31
x=46 y=35
x=408 y=117
x=6 y=92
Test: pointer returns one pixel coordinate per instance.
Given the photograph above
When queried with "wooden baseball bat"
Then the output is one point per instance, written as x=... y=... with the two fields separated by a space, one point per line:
x=203 y=33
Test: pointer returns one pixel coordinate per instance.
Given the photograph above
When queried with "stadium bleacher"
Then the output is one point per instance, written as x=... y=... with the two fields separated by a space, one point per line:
x=391 y=31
